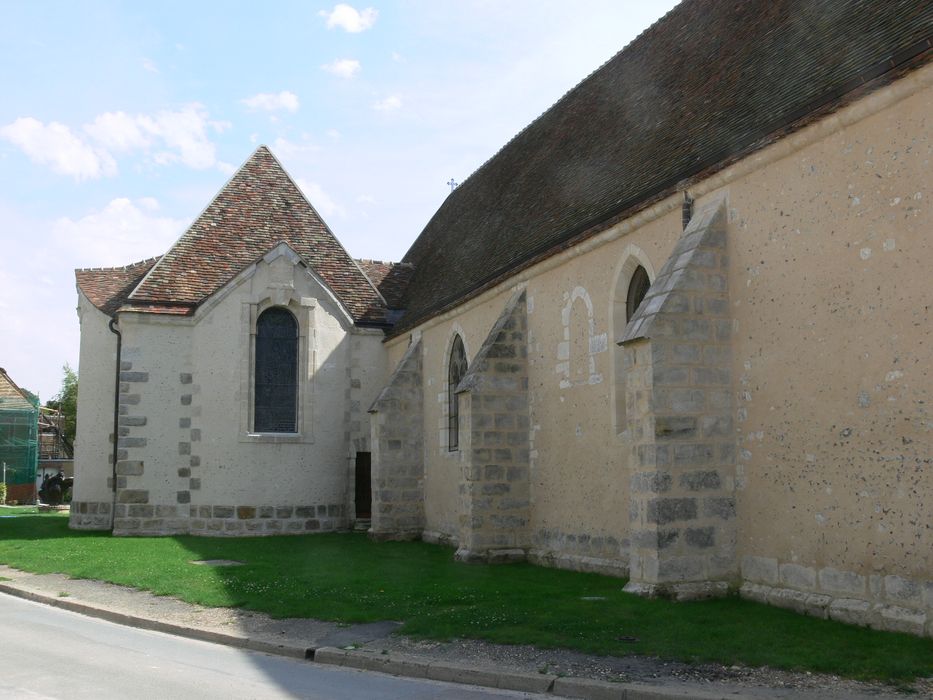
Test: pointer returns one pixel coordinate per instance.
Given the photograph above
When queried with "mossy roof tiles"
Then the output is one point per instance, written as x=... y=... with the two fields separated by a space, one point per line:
x=711 y=81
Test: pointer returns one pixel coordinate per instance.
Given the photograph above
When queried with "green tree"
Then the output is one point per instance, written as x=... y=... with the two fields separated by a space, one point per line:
x=67 y=402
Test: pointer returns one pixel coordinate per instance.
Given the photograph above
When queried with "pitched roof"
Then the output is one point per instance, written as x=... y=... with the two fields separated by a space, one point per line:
x=390 y=278
x=710 y=82
x=256 y=210
x=108 y=288
x=12 y=397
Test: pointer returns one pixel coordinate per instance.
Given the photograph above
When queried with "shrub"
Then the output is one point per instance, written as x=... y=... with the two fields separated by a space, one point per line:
x=2 y=493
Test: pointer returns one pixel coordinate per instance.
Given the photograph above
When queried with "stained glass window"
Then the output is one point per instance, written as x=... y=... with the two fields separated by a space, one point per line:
x=276 y=397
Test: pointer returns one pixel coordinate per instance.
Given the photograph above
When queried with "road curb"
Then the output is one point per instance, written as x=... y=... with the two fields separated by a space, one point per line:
x=157 y=625
x=396 y=665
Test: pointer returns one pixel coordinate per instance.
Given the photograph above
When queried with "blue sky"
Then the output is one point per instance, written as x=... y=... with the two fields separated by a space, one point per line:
x=121 y=120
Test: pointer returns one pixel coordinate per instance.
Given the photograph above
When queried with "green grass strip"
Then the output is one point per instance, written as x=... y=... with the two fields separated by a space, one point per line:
x=348 y=578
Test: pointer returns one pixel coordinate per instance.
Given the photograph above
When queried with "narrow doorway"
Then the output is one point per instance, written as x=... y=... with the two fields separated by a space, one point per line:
x=364 y=486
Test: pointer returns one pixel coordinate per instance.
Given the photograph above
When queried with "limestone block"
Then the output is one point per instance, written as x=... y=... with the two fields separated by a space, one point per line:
x=894 y=618
x=681 y=568
x=788 y=598
x=667 y=510
x=130 y=468
x=851 y=611
x=845 y=582
x=132 y=496
x=817 y=605
x=797 y=576
x=701 y=480
x=755 y=591
x=760 y=569
x=903 y=590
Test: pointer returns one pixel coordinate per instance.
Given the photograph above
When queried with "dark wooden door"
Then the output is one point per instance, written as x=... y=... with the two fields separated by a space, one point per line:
x=364 y=485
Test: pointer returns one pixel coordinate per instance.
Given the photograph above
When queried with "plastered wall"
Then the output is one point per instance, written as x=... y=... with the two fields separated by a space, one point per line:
x=831 y=286
x=578 y=472
x=188 y=460
x=92 y=496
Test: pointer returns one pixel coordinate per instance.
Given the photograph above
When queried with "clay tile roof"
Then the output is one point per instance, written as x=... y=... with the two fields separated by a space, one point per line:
x=390 y=278
x=257 y=209
x=108 y=288
x=710 y=82
x=11 y=396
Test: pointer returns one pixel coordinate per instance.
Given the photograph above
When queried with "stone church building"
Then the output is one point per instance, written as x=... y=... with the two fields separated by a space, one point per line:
x=677 y=330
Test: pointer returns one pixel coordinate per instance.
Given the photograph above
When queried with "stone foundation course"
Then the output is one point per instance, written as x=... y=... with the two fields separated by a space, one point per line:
x=889 y=603
x=228 y=520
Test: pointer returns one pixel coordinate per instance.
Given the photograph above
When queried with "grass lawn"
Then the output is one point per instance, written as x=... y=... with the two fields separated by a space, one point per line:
x=10 y=511
x=345 y=577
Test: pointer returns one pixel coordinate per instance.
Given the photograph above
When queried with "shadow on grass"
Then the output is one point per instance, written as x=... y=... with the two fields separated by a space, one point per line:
x=348 y=578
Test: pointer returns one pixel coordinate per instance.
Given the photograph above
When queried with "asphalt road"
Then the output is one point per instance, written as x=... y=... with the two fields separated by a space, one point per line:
x=51 y=653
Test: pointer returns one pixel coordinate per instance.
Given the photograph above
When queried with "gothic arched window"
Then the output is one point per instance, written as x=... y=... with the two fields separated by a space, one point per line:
x=456 y=369
x=632 y=284
x=637 y=289
x=276 y=369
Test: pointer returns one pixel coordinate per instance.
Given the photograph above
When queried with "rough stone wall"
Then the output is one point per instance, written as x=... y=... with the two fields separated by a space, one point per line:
x=495 y=486
x=679 y=401
x=398 y=452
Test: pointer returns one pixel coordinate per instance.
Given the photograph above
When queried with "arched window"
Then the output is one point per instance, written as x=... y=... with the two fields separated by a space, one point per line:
x=632 y=283
x=456 y=369
x=276 y=388
x=637 y=288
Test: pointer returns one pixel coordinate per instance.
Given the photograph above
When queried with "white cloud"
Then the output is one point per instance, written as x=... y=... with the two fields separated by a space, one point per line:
x=58 y=147
x=389 y=104
x=149 y=65
x=185 y=131
x=291 y=151
x=182 y=135
x=122 y=232
x=319 y=199
x=272 y=102
x=343 y=67
x=349 y=19
x=118 y=131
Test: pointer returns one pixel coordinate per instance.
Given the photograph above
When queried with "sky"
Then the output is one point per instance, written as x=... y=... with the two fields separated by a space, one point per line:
x=120 y=121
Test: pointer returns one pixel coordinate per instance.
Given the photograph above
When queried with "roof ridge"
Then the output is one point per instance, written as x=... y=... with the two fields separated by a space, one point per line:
x=332 y=235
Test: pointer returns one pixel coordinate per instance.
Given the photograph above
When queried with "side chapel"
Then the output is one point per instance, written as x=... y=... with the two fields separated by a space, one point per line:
x=677 y=330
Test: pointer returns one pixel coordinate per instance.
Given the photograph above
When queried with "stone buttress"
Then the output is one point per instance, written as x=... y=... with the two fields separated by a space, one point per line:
x=398 y=454
x=679 y=399
x=495 y=485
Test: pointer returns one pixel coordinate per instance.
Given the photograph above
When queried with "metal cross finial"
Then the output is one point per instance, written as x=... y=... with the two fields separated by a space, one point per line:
x=452 y=184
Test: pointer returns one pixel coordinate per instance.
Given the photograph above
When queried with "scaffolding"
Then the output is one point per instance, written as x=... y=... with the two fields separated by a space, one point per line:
x=19 y=440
